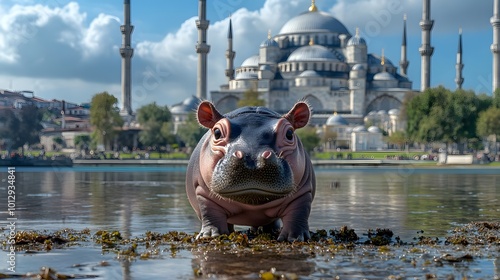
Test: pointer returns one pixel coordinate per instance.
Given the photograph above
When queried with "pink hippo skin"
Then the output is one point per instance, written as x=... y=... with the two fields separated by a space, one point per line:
x=250 y=169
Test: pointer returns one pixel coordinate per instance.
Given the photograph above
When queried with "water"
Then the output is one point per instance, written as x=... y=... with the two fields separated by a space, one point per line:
x=137 y=199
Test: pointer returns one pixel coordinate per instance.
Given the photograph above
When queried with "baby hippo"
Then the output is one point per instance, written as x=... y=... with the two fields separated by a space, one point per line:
x=251 y=169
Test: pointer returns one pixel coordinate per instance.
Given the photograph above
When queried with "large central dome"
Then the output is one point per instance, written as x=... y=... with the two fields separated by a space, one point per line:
x=313 y=22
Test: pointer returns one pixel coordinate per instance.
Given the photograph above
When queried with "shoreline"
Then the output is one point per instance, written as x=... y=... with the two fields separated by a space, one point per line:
x=315 y=162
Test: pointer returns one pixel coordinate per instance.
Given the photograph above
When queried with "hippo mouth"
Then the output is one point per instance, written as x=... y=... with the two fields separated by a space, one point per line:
x=252 y=184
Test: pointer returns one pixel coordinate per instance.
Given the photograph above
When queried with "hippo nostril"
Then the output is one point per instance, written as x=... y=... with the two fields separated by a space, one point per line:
x=239 y=154
x=267 y=154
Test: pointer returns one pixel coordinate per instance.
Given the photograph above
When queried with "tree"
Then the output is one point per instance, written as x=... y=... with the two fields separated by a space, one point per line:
x=154 y=121
x=309 y=138
x=496 y=98
x=191 y=132
x=439 y=115
x=22 y=128
x=251 y=98
x=425 y=114
x=488 y=123
x=104 y=117
x=398 y=138
x=82 y=141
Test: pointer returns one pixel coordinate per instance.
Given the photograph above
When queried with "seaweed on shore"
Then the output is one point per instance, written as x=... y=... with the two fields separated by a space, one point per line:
x=463 y=245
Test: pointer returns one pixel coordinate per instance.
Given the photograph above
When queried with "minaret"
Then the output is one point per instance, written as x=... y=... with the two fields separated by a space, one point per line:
x=126 y=51
x=495 y=47
x=425 y=49
x=202 y=49
x=404 y=62
x=230 y=53
x=459 y=66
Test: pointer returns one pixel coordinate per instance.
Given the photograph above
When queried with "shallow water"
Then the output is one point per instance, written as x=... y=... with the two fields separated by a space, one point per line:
x=133 y=200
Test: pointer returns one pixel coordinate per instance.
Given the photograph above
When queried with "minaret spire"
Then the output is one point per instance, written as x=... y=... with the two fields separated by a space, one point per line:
x=126 y=52
x=495 y=46
x=425 y=49
x=202 y=48
x=230 y=53
x=382 y=61
x=459 y=66
x=403 y=63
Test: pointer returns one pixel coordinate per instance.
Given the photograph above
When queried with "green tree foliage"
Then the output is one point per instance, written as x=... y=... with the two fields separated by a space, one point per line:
x=81 y=141
x=250 y=98
x=22 y=127
x=191 y=132
x=104 y=117
x=489 y=122
x=398 y=138
x=309 y=138
x=496 y=98
x=439 y=115
x=155 y=123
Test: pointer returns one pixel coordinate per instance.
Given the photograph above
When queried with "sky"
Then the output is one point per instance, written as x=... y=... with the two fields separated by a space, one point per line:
x=69 y=50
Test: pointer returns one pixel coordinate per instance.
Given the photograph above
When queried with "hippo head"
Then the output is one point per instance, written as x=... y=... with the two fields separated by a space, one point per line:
x=253 y=154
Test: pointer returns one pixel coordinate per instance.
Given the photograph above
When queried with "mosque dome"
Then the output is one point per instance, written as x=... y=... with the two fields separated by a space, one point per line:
x=394 y=112
x=313 y=21
x=246 y=76
x=310 y=73
x=336 y=120
x=188 y=105
x=356 y=40
x=252 y=61
x=374 y=129
x=359 y=129
x=383 y=76
x=312 y=53
x=269 y=43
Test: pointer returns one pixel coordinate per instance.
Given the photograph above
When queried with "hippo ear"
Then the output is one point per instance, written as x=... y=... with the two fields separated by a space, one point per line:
x=207 y=115
x=299 y=115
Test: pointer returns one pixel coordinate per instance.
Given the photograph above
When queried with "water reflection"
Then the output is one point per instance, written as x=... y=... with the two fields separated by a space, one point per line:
x=134 y=200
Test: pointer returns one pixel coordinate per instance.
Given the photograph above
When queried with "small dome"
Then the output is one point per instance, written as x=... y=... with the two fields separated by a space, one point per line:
x=336 y=120
x=252 y=61
x=374 y=129
x=359 y=129
x=356 y=40
x=269 y=43
x=246 y=76
x=187 y=106
x=394 y=112
x=312 y=53
x=358 y=67
x=383 y=76
x=310 y=73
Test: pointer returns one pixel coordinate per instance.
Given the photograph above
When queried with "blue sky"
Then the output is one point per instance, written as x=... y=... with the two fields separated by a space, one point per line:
x=69 y=49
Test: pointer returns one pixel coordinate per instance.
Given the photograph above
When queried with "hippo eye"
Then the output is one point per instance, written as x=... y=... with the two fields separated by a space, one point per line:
x=289 y=134
x=217 y=134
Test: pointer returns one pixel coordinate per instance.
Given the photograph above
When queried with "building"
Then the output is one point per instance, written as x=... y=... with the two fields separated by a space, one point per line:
x=315 y=57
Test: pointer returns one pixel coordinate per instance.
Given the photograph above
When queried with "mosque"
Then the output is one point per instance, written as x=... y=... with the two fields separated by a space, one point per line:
x=315 y=57
x=353 y=93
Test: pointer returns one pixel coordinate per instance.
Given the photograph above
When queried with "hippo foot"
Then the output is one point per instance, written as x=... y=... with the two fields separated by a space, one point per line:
x=208 y=231
x=294 y=235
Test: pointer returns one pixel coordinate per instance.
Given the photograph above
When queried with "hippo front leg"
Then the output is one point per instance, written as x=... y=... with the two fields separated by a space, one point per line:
x=296 y=220
x=213 y=218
